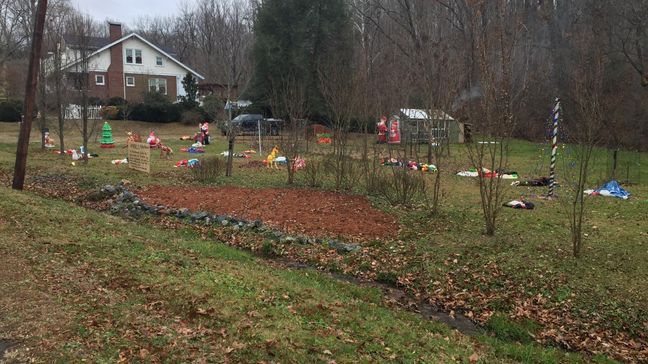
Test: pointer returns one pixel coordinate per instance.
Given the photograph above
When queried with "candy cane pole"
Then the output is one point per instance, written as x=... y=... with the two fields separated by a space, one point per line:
x=554 y=149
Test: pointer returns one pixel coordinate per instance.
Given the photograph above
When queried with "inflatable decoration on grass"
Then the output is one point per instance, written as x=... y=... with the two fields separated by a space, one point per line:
x=271 y=159
x=324 y=138
x=189 y=163
x=299 y=164
x=133 y=137
x=520 y=204
x=49 y=142
x=106 y=136
x=610 y=189
x=394 y=131
x=381 y=128
x=153 y=140
x=411 y=165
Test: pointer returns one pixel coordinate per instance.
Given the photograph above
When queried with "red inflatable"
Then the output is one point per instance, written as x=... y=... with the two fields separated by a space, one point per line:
x=394 y=132
x=382 y=130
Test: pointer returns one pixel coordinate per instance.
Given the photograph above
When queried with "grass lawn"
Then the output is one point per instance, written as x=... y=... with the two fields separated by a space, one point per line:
x=521 y=282
x=78 y=284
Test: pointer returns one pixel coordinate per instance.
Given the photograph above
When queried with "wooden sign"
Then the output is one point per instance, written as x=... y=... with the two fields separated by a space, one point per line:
x=139 y=156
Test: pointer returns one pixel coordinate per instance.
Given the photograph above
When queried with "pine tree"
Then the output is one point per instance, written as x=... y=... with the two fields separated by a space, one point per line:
x=191 y=88
x=293 y=37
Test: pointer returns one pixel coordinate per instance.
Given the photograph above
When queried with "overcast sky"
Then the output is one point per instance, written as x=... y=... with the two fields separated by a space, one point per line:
x=127 y=11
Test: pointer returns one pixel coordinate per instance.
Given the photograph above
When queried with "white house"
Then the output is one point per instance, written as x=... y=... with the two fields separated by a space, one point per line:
x=125 y=66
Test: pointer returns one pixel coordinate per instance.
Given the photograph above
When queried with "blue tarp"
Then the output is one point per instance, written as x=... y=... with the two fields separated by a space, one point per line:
x=613 y=189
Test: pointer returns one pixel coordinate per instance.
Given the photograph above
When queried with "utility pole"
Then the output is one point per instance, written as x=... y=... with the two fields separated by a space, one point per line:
x=30 y=97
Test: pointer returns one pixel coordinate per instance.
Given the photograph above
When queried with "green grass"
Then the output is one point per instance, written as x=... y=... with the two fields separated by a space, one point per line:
x=529 y=256
x=133 y=291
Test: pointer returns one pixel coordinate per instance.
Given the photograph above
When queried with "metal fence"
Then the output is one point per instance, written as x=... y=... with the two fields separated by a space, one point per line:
x=73 y=111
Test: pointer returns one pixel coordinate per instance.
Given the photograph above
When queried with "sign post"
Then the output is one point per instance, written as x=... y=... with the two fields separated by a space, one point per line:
x=139 y=157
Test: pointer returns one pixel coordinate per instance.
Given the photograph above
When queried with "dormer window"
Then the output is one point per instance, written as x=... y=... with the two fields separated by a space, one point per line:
x=133 y=56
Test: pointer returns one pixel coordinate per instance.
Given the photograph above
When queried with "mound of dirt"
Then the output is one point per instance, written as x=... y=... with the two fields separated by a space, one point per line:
x=296 y=211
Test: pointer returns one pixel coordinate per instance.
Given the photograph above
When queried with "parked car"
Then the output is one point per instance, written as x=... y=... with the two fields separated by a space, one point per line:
x=248 y=124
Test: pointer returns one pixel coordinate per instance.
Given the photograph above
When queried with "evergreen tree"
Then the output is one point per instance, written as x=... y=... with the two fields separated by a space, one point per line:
x=189 y=100
x=293 y=38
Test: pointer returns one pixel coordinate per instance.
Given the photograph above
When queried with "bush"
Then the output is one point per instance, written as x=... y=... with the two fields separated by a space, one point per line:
x=344 y=171
x=209 y=169
x=213 y=106
x=11 y=110
x=94 y=101
x=115 y=101
x=312 y=173
x=156 y=108
x=192 y=117
x=400 y=186
x=110 y=113
x=269 y=249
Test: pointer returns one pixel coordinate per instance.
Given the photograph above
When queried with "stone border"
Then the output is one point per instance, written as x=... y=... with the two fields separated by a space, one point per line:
x=127 y=204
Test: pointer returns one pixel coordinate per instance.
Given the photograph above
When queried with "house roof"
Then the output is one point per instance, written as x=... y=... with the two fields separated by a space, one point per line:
x=419 y=114
x=106 y=46
x=92 y=43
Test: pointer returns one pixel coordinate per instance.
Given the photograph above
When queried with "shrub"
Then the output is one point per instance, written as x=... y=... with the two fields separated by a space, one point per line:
x=400 y=186
x=209 y=169
x=11 y=110
x=213 y=106
x=343 y=169
x=269 y=250
x=115 y=101
x=110 y=113
x=312 y=173
x=156 y=108
x=192 y=117
x=94 y=101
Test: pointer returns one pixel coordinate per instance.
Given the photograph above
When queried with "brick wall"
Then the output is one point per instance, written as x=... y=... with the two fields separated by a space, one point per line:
x=94 y=90
x=135 y=93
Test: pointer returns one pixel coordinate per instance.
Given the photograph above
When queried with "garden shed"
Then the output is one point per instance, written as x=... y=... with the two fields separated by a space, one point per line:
x=421 y=126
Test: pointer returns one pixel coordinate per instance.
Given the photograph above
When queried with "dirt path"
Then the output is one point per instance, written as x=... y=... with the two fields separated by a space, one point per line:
x=308 y=212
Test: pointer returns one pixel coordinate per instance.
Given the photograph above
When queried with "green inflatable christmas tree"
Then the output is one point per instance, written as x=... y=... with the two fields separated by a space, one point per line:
x=106 y=136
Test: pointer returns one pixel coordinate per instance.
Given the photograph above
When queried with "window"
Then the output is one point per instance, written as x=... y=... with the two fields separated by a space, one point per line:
x=130 y=81
x=100 y=80
x=158 y=61
x=158 y=85
x=133 y=56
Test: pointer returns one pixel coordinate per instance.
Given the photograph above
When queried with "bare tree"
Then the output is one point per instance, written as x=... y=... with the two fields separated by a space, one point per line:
x=288 y=100
x=57 y=20
x=633 y=35
x=499 y=33
x=592 y=108
x=235 y=39
x=83 y=28
x=340 y=91
x=15 y=21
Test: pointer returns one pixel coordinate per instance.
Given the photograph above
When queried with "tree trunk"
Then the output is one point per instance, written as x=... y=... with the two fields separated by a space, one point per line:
x=230 y=156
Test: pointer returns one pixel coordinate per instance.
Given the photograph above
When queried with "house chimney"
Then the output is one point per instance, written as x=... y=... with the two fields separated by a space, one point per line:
x=115 y=31
x=115 y=74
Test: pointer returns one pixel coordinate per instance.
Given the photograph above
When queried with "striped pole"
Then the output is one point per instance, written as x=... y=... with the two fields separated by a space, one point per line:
x=554 y=149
